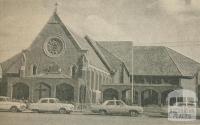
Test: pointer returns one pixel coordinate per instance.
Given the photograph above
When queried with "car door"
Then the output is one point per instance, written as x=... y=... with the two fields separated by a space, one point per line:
x=43 y=105
x=120 y=107
x=110 y=107
x=53 y=106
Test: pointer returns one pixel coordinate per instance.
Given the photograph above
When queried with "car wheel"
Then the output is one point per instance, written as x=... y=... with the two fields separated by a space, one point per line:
x=68 y=112
x=62 y=111
x=102 y=112
x=35 y=110
x=134 y=113
x=13 y=109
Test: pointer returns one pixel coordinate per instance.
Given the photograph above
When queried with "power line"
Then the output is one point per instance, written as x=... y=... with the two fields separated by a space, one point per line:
x=178 y=44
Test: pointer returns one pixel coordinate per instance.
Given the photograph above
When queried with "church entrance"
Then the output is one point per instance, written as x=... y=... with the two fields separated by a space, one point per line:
x=20 y=91
x=43 y=90
x=65 y=92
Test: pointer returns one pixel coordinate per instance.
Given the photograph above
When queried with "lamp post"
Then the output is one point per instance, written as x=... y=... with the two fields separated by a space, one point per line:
x=132 y=89
x=196 y=86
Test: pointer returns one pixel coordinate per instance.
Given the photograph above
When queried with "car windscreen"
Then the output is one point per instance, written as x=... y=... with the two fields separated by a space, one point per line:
x=119 y=103
x=111 y=103
x=44 y=101
x=52 y=101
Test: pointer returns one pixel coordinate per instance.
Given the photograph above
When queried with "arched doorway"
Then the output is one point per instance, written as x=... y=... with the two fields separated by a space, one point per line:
x=110 y=94
x=43 y=90
x=127 y=96
x=149 y=97
x=65 y=92
x=20 y=91
x=164 y=96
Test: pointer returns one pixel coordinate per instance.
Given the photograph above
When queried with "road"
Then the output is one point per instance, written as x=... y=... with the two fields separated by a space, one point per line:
x=7 y=118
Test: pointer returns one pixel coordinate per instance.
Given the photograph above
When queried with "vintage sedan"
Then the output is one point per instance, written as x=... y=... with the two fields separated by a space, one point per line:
x=51 y=105
x=7 y=104
x=116 y=107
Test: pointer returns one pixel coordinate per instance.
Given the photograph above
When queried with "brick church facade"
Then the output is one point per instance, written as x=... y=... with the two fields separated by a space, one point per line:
x=59 y=63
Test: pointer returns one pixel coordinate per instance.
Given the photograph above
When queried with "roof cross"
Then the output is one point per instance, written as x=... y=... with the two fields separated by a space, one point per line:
x=56 y=6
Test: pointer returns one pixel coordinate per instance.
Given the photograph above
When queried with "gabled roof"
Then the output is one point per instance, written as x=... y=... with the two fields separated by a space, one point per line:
x=120 y=49
x=185 y=65
x=101 y=56
x=12 y=65
x=151 y=60
x=80 y=42
x=55 y=19
x=114 y=62
x=109 y=55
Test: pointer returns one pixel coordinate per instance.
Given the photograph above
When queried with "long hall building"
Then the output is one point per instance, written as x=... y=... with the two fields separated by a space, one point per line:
x=59 y=63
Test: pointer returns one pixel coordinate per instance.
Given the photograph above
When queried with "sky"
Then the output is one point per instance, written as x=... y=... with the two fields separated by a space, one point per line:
x=171 y=23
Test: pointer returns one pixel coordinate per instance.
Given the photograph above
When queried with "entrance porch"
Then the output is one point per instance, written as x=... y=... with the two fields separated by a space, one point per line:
x=143 y=95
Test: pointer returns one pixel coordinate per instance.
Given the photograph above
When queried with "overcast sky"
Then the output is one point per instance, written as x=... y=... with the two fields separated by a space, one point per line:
x=172 y=23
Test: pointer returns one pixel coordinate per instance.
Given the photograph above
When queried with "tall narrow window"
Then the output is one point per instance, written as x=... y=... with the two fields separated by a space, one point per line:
x=122 y=75
x=34 y=70
x=74 y=71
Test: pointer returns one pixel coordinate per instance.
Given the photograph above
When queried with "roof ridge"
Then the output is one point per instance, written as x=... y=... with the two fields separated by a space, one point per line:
x=118 y=59
x=109 y=52
x=101 y=56
x=72 y=34
x=66 y=29
x=183 y=55
x=172 y=60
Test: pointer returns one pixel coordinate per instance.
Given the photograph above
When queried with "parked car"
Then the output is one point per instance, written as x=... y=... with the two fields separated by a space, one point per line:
x=116 y=107
x=7 y=104
x=51 y=105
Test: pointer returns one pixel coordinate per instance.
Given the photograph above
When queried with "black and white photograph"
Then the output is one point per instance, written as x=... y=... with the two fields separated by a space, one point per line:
x=99 y=62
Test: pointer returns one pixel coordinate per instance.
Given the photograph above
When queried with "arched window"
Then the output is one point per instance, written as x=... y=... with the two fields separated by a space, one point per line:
x=34 y=70
x=122 y=75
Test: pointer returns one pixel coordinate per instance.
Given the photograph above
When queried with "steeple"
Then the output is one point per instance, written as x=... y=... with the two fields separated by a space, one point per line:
x=54 y=19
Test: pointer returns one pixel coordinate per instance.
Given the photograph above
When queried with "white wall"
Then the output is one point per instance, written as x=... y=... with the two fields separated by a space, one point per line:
x=189 y=84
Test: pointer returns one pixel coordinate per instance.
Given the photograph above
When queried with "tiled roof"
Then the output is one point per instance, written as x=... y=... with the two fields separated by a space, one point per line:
x=120 y=49
x=186 y=66
x=12 y=65
x=151 y=60
x=109 y=55
x=114 y=62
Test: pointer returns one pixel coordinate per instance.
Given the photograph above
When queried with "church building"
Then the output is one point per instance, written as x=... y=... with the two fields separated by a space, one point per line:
x=59 y=63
